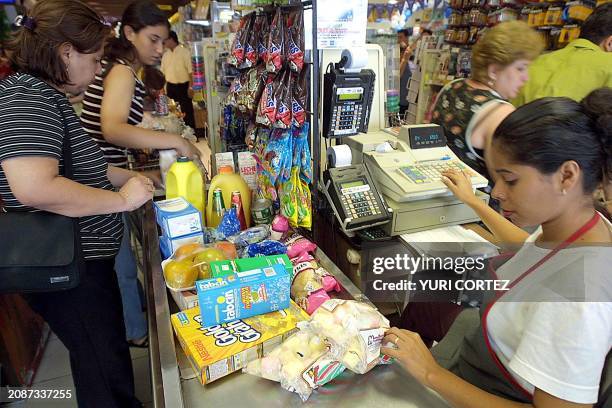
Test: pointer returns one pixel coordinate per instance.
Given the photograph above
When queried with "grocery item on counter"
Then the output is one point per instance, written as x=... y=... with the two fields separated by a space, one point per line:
x=248 y=169
x=225 y=268
x=279 y=227
x=177 y=217
x=310 y=284
x=297 y=244
x=230 y=224
x=226 y=182
x=237 y=206
x=267 y=247
x=180 y=274
x=301 y=364
x=243 y=294
x=203 y=258
x=250 y=236
x=168 y=246
x=185 y=299
x=217 y=351
x=262 y=211
x=354 y=331
x=184 y=179
x=167 y=157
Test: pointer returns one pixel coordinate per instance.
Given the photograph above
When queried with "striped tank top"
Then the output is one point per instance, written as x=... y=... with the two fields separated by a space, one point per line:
x=90 y=117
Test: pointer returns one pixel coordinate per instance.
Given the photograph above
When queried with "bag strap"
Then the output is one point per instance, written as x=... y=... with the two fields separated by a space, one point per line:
x=66 y=147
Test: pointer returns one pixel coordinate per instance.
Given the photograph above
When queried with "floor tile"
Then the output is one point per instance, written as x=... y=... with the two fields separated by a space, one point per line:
x=142 y=379
x=55 y=362
x=61 y=383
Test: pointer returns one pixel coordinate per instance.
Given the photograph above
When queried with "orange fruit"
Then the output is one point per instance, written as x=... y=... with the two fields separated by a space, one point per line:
x=186 y=250
x=180 y=274
x=203 y=258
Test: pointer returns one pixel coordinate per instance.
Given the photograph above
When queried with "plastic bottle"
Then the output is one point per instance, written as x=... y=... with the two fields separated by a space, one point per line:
x=184 y=179
x=228 y=181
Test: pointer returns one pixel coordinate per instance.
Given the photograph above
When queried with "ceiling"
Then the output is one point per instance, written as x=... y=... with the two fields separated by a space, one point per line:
x=113 y=9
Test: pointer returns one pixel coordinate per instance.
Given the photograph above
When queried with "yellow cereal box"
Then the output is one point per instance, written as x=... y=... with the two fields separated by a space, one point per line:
x=219 y=350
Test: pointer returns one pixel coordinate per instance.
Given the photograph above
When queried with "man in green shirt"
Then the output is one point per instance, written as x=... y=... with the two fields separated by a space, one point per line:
x=583 y=65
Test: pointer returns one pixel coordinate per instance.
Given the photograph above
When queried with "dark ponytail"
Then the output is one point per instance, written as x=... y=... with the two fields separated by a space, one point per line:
x=138 y=15
x=550 y=131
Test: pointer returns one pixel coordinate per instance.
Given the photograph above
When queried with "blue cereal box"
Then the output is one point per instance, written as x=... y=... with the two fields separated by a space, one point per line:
x=177 y=217
x=243 y=294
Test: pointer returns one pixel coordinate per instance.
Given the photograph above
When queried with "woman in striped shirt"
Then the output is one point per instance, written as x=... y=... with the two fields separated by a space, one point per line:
x=57 y=50
x=112 y=109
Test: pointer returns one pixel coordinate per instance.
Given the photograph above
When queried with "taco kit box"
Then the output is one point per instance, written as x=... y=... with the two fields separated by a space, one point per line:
x=217 y=351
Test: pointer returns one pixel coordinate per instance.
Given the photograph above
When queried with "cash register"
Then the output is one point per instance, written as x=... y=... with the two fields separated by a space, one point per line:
x=407 y=170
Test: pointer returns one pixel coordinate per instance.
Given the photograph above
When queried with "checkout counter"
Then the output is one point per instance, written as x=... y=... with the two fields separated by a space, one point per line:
x=385 y=385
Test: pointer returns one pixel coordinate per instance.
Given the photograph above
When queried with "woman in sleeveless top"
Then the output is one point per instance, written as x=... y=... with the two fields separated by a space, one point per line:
x=112 y=109
x=469 y=110
x=546 y=341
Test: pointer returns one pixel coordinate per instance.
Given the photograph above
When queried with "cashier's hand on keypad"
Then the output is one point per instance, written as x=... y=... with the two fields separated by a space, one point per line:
x=460 y=184
x=411 y=353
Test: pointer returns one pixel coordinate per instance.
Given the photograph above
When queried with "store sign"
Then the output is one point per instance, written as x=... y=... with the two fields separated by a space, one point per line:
x=341 y=23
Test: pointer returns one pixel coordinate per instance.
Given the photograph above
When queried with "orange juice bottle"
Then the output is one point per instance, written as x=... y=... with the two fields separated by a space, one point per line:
x=227 y=181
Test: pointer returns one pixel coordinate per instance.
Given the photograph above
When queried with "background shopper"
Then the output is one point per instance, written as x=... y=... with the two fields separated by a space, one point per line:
x=469 y=110
x=583 y=65
x=176 y=66
x=57 y=50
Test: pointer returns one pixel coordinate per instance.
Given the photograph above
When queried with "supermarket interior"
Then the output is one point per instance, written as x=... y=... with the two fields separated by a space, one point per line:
x=360 y=203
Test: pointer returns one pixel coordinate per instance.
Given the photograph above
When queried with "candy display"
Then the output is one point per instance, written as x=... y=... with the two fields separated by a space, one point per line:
x=276 y=43
x=217 y=351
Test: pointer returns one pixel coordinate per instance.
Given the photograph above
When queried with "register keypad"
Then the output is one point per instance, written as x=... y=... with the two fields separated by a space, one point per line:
x=430 y=172
x=361 y=204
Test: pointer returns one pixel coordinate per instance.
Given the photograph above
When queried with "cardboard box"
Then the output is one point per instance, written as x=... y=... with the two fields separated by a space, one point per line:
x=177 y=217
x=243 y=294
x=247 y=167
x=217 y=351
x=186 y=299
x=169 y=245
x=224 y=268
x=225 y=159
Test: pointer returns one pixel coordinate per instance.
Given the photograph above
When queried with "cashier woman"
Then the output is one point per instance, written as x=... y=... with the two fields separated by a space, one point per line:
x=547 y=158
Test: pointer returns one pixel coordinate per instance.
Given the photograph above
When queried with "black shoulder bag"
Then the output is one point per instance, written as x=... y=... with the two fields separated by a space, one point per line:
x=41 y=251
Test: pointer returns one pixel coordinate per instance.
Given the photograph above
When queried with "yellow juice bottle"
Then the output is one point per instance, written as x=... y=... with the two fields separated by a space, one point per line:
x=184 y=179
x=227 y=182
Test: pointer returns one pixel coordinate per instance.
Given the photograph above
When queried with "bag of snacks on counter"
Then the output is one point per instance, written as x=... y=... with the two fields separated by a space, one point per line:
x=251 y=235
x=266 y=247
x=301 y=364
x=297 y=244
x=354 y=330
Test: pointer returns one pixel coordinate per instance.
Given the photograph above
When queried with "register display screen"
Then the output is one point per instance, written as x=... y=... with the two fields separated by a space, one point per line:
x=426 y=137
x=349 y=97
x=351 y=184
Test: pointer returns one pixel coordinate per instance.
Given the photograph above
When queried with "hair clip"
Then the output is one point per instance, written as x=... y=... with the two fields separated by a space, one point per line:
x=25 y=21
x=118 y=30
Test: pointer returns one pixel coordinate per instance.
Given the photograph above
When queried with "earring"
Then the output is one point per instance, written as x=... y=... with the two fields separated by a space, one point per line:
x=563 y=192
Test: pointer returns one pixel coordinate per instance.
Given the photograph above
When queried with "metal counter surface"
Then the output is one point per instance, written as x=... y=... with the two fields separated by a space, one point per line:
x=384 y=386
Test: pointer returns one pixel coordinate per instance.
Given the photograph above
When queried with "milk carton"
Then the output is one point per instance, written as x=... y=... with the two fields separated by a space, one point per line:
x=243 y=294
x=177 y=218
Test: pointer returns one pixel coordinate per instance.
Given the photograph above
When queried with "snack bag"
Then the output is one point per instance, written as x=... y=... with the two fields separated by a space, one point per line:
x=251 y=235
x=304 y=204
x=276 y=43
x=266 y=110
x=250 y=45
x=266 y=247
x=278 y=155
x=282 y=95
x=229 y=225
x=301 y=364
x=311 y=283
x=288 y=195
x=262 y=27
x=297 y=244
x=236 y=57
x=354 y=331
x=299 y=96
x=295 y=40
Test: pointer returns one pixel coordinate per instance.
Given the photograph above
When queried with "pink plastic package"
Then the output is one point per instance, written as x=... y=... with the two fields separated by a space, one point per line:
x=296 y=244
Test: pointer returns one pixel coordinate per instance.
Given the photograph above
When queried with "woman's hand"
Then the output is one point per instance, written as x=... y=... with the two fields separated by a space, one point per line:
x=411 y=353
x=155 y=176
x=137 y=191
x=187 y=149
x=460 y=184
